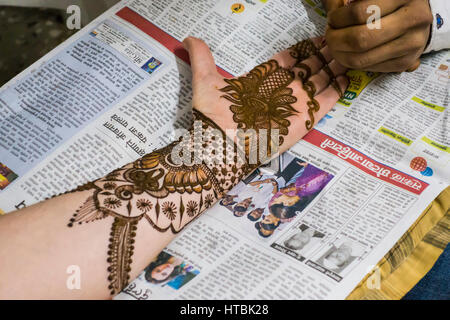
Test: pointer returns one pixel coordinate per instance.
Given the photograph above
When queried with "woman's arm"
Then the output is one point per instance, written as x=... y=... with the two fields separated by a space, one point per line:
x=111 y=228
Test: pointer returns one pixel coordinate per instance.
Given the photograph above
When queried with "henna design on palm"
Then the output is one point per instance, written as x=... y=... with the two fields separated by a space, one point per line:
x=262 y=99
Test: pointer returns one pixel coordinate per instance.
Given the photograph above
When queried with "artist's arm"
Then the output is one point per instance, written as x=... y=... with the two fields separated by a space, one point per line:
x=111 y=228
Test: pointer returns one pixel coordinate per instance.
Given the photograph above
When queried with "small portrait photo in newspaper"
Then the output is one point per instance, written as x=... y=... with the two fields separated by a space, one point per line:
x=338 y=257
x=161 y=277
x=299 y=242
x=167 y=270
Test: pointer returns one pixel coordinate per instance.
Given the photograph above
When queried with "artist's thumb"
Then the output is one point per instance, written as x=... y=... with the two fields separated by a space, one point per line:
x=202 y=61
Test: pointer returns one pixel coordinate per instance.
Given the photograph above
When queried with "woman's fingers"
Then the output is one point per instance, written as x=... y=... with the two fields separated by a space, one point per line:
x=332 y=93
x=314 y=106
x=312 y=65
x=325 y=76
x=310 y=59
x=297 y=53
x=323 y=81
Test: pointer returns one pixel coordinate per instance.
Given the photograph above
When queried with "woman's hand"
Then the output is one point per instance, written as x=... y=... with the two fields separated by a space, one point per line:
x=290 y=93
x=112 y=227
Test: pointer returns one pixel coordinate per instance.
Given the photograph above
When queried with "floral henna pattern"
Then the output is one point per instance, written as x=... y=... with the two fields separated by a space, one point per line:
x=191 y=208
x=124 y=195
x=209 y=200
x=262 y=99
x=144 y=205
x=170 y=210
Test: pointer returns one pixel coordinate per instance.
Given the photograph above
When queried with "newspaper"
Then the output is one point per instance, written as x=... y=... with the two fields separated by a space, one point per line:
x=120 y=88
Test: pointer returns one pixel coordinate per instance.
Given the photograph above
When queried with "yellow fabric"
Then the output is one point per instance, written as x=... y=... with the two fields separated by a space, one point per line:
x=412 y=256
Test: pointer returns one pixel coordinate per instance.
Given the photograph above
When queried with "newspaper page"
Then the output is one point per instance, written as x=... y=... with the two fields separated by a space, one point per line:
x=310 y=229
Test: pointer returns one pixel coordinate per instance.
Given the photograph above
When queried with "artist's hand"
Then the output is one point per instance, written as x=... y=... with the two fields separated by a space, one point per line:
x=395 y=47
x=291 y=92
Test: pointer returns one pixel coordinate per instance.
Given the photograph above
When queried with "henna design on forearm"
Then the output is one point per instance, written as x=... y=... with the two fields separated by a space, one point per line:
x=165 y=194
x=169 y=195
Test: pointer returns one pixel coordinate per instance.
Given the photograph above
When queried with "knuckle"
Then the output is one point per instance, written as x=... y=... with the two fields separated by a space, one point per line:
x=361 y=62
x=416 y=19
x=428 y=17
x=424 y=11
x=345 y=60
x=358 y=13
x=361 y=41
x=419 y=18
x=417 y=43
x=330 y=35
x=349 y=61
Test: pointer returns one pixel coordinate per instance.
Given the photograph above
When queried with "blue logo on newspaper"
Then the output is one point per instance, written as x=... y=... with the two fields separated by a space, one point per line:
x=439 y=21
x=151 y=65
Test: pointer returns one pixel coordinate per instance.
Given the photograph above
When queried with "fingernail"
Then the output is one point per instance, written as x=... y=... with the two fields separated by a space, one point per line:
x=414 y=67
x=186 y=42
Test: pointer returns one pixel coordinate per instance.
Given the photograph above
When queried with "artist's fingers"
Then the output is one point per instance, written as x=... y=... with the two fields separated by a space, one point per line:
x=395 y=65
x=320 y=81
x=202 y=61
x=332 y=93
x=360 y=38
x=409 y=43
x=299 y=52
x=311 y=66
x=414 y=66
x=358 y=14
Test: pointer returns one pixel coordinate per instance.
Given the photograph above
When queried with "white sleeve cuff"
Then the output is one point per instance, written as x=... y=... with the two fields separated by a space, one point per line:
x=440 y=33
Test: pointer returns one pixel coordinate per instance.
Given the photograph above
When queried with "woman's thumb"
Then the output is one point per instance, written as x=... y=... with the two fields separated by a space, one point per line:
x=202 y=61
